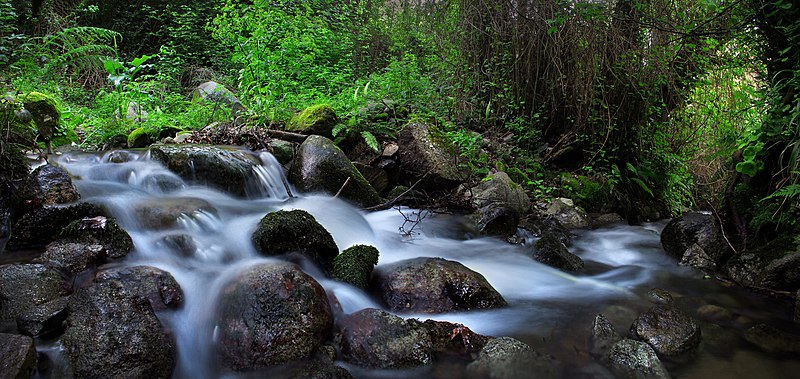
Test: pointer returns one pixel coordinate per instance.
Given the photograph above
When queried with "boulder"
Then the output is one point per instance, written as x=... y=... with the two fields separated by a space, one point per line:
x=605 y=220
x=455 y=339
x=500 y=203
x=669 y=331
x=773 y=340
x=26 y=286
x=43 y=320
x=157 y=286
x=782 y=274
x=508 y=358
x=45 y=114
x=227 y=170
x=164 y=213
x=138 y=138
x=775 y=265
x=354 y=265
x=428 y=158
x=433 y=285
x=635 y=359
x=18 y=357
x=320 y=166
x=43 y=225
x=551 y=251
x=603 y=336
x=217 y=93
x=114 y=333
x=46 y=185
x=567 y=213
x=377 y=339
x=295 y=232
x=271 y=314
x=99 y=230
x=317 y=119
x=696 y=240
x=70 y=257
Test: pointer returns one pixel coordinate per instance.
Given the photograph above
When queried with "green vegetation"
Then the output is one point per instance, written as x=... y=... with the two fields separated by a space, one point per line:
x=623 y=106
x=354 y=265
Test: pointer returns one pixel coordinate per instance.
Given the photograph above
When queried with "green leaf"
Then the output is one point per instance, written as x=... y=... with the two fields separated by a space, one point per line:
x=371 y=141
x=749 y=168
x=139 y=61
x=338 y=129
x=643 y=186
x=112 y=66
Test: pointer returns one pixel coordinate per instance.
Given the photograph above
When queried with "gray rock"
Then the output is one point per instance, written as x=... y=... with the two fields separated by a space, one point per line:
x=71 y=257
x=782 y=274
x=17 y=357
x=659 y=296
x=455 y=339
x=567 y=213
x=669 y=331
x=164 y=213
x=25 y=286
x=115 y=333
x=699 y=232
x=605 y=220
x=99 y=230
x=44 y=319
x=295 y=232
x=552 y=252
x=378 y=339
x=377 y=177
x=773 y=340
x=271 y=314
x=215 y=92
x=603 y=336
x=433 y=285
x=500 y=203
x=47 y=185
x=227 y=170
x=320 y=166
x=282 y=150
x=714 y=313
x=157 y=286
x=43 y=225
x=635 y=359
x=427 y=157
x=508 y=358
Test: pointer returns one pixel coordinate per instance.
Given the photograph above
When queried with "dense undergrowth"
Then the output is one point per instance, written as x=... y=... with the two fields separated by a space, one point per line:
x=646 y=108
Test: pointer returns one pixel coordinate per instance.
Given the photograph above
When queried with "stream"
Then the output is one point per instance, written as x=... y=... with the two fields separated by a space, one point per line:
x=550 y=310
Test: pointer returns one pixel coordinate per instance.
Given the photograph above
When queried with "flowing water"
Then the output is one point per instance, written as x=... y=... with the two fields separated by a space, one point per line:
x=549 y=309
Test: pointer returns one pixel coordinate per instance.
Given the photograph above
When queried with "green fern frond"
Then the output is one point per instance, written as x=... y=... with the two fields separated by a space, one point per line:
x=791 y=191
x=371 y=141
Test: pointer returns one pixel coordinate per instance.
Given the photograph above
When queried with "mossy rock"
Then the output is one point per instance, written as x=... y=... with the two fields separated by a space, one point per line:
x=138 y=138
x=45 y=113
x=318 y=119
x=295 y=232
x=429 y=158
x=354 y=265
x=99 y=230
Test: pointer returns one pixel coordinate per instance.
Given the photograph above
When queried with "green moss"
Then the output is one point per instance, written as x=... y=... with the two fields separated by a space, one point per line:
x=135 y=135
x=45 y=112
x=355 y=264
x=295 y=231
x=517 y=176
x=110 y=235
x=37 y=97
x=441 y=140
x=318 y=119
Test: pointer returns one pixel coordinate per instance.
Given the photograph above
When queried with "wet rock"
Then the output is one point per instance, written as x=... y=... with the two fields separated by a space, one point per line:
x=99 y=230
x=552 y=252
x=714 y=313
x=507 y=358
x=773 y=340
x=354 y=265
x=567 y=213
x=775 y=265
x=295 y=232
x=71 y=257
x=541 y=226
x=455 y=339
x=377 y=177
x=164 y=213
x=635 y=359
x=320 y=166
x=699 y=232
x=227 y=170
x=605 y=220
x=183 y=244
x=378 y=339
x=46 y=185
x=659 y=296
x=45 y=319
x=603 y=336
x=782 y=274
x=25 y=286
x=217 y=93
x=43 y=225
x=138 y=138
x=797 y=307
x=317 y=119
x=157 y=286
x=282 y=150
x=669 y=331
x=319 y=369
x=271 y=314
x=500 y=202
x=428 y=159
x=433 y=285
x=18 y=357
x=114 y=333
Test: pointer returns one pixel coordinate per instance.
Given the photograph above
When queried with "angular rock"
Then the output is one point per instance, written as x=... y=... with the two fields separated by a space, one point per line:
x=45 y=319
x=46 y=185
x=71 y=257
x=376 y=176
x=773 y=340
x=295 y=232
x=552 y=252
x=320 y=166
x=282 y=150
x=17 y=357
x=41 y=226
x=271 y=314
x=567 y=213
x=698 y=229
x=354 y=265
x=227 y=170
x=378 y=339
x=158 y=286
x=782 y=274
x=669 y=331
x=114 y=333
x=433 y=285
x=507 y=358
x=427 y=156
x=25 y=286
x=635 y=359
x=603 y=336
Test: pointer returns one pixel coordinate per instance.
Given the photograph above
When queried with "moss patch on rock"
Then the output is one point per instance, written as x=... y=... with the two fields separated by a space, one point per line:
x=354 y=265
x=317 y=119
x=138 y=138
x=295 y=231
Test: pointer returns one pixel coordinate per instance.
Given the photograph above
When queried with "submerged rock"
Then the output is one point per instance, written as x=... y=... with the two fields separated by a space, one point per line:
x=295 y=232
x=552 y=252
x=635 y=359
x=433 y=285
x=428 y=158
x=164 y=213
x=773 y=340
x=271 y=314
x=18 y=356
x=669 y=331
x=603 y=336
x=114 y=333
x=320 y=166
x=378 y=339
x=508 y=358
x=455 y=339
x=354 y=265
x=696 y=240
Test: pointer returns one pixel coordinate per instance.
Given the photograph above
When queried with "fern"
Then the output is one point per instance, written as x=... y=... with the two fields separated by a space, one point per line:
x=74 y=50
x=371 y=141
x=790 y=192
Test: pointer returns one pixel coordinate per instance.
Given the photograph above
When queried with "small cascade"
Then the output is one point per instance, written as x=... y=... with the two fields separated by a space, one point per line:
x=269 y=180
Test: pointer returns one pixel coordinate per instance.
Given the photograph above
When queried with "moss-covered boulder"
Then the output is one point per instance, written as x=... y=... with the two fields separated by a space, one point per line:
x=19 y=132
x=317 y=119
x=271 y=314
x=354 y=265
x=45 y=114
x=428 y=157
x=320 y=166
x=295 y=232
x=138 y=138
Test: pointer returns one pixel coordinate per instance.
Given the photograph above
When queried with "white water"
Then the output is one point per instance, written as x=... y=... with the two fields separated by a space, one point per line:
x=549 y=309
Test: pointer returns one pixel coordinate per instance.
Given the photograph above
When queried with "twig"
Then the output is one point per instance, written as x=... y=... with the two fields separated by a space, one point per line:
x=346 y=182
x=391 y=203
x=722 y=227
x=288 y=136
